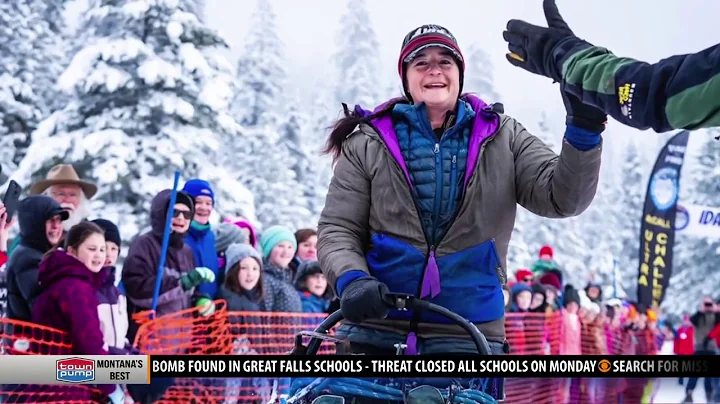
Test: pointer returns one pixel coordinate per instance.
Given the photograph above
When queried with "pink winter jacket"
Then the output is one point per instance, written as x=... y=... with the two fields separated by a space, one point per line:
x=572 y=333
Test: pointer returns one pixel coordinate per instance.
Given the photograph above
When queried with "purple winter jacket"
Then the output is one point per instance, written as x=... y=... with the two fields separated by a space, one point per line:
x=68 y=302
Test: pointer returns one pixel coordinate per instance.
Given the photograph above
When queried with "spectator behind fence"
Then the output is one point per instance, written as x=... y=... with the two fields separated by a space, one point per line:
x=524 y=275
x=593 y=291
x=306 y=248
x=571 y=322
x=70 y=279
x=704 y=320
x=552 y=290
x=538 y=304
x=64 y=185
x=225 y=235
x=247 y=228
x=312 y=287
x=521 y=295
x=278 y=246
x=112 y=307
x=200 y=238
x=40 y=219
x=180 y=276
x=4 y=238
x=243 y=287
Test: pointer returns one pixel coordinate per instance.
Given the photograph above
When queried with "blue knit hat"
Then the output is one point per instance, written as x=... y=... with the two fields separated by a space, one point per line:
x=273 y=236
x=197 y=187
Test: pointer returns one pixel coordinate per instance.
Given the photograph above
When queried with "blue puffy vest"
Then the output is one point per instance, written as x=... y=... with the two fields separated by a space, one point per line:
x=436 y=166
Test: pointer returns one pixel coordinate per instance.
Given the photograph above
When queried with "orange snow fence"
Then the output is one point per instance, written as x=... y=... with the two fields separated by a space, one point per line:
x=22 y=338
x=184 y=332
x=263 y=333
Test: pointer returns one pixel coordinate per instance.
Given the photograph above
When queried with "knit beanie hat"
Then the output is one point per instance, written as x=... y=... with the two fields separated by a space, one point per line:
x=570 y=295
x=273 y=236
x=518 y=288
x=112 y=233
x=237 y=252
x=226 y=234
x=546 y=250
x=197 y=187
x=424 y=37
x=305 y=269
x=522 y=274
x=550 y=279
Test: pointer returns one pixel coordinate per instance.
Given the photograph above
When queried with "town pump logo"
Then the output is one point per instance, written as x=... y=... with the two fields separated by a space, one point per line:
x=75 y=370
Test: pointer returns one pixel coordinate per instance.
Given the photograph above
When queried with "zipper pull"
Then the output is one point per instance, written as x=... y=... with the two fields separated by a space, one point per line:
x=437 y=148
x=454 y=159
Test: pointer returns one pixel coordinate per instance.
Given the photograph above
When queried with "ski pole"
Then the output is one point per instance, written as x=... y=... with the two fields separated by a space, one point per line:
x=165 y=243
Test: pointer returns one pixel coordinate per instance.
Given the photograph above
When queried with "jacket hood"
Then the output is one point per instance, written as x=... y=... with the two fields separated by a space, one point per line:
x=60 y=265
x=33 y=212
x=159 y=208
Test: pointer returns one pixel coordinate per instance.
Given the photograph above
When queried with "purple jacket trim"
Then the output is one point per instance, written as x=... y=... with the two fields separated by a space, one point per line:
x=386 y=131
x=485 y=125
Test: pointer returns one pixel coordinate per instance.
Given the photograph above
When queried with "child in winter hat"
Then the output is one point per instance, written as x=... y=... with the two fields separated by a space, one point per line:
x=273 y=236
x=312 y=287
x=243 y=287
x=197 y=187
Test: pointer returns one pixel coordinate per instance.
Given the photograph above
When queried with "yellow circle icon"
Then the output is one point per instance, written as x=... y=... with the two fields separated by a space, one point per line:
x=604 y=366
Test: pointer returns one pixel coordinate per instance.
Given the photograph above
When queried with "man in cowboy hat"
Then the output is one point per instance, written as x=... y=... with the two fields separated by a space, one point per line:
x=72 y=193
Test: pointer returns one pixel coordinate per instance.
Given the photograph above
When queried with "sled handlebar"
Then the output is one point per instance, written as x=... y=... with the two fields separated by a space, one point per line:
x=401 y=301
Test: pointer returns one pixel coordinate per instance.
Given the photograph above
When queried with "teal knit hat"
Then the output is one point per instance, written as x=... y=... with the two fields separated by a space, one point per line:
x=273 y=236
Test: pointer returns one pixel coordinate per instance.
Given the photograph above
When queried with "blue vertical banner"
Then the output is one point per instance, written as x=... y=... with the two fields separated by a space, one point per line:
x=657 y=229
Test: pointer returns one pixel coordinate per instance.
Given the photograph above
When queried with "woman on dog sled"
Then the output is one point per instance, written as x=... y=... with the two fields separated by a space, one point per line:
x=423 y=201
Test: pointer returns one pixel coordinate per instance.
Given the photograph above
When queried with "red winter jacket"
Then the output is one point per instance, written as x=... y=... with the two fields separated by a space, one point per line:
x=715 y=334
x=685 y=340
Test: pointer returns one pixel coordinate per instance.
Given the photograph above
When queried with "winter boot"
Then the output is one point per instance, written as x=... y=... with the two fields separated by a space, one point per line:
x=688 y=397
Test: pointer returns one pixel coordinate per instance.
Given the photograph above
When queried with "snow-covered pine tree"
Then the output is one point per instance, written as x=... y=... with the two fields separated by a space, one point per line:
x=695 y=269
x=358 y=61
x=292 y=129
x=30 y=62
x=633 y=188
x=479 y=75
x=324 y=111
x=196 y=7
x=148 y=96
x=599 y=223
x=279 y=199
x=261 y=73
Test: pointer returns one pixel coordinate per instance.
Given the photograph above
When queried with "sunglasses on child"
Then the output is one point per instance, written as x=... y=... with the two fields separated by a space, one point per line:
x=185 y=213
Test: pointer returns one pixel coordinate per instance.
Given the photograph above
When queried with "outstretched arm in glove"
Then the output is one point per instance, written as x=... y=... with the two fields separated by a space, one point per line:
x=680 y=92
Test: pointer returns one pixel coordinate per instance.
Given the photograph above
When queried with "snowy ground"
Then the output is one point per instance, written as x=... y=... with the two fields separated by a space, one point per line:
x=671 y=392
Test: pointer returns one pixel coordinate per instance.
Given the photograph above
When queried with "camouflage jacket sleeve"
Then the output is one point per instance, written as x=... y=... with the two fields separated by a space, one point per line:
x=680 y=92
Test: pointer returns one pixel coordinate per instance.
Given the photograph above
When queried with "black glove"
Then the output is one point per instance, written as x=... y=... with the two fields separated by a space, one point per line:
x=363 y=299
x=582 y=115
x=533 y=48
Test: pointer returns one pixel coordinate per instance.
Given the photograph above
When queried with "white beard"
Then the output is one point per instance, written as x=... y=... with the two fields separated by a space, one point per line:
x=80 y=213
x=75 y=218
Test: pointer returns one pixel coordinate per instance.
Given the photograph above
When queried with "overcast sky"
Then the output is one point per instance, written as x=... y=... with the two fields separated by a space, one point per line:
x=646 y=29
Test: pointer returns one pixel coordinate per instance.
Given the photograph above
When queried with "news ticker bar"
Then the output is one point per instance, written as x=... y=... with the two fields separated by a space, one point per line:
x=53 y=369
